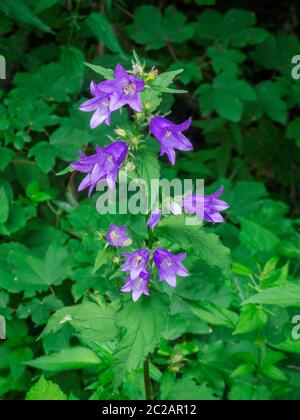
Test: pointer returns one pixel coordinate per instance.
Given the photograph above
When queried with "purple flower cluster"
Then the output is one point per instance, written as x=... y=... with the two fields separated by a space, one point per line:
x=109 y=96
x=102 y=166
x=137 y=282
x=112 y=95
x=208 y=206
x=105 y=164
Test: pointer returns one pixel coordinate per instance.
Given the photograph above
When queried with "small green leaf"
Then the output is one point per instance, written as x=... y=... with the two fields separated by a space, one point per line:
x=284 y=296
x=214 y=315
x=103 y=257
x=105 y=73
x=274 y=373
x=67 y=170
x=45 y=390
x=67 y=359
x=45 y=155
x=243 y=370
x=252 y=318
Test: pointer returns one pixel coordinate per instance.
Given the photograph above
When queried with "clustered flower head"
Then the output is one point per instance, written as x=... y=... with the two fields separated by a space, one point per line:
x=137 y=265
x=108 y=96
x=111 y=95
x=104 y=165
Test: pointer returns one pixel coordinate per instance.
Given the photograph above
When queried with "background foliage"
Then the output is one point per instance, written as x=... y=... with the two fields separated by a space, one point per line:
x=223 y=333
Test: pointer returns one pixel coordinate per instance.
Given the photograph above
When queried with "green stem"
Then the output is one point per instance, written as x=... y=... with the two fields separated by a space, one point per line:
x=147 y=380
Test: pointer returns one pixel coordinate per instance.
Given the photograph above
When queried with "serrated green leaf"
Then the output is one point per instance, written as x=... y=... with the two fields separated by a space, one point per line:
x=252 y=318
x=45 y=390
x=142 y=323
x=92 y=324
x=206 y=245
x=187 y=389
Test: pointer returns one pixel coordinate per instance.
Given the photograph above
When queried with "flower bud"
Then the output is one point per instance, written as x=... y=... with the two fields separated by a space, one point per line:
x=137 y=69
x=120 y=132
x=130 y=167
x=116 y=260
x=153 y=73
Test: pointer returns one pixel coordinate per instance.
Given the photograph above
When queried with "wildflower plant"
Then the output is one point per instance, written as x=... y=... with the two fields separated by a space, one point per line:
x=125 y=89
x=141 y=262
x=105 y=301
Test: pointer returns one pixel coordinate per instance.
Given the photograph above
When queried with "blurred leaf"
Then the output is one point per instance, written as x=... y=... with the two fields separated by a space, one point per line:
x=19 y=11
x=226 y=96
x=45 y=390
x=102 y=29
x=4 y=206
x=66 y=359
x=283 y=296
x=252 y=318
x=257 y=238
x=155 y=30
x=214 y=315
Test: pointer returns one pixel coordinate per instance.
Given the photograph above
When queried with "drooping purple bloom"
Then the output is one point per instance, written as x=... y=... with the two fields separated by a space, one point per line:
x=117 y=236
x=170 y=136
x=104 y=165
x=99 y=105
x=154 y=219
x=169 y=266
x=124 y=89
x=136 y=262
x=139 y=286
x=208 y=207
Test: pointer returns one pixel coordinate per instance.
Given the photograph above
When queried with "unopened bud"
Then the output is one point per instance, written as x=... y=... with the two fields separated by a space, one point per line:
x=116 y=260
x=100 y=235
x=130 y=167
x=137 y=69
x=120 y=132
x=153 y=73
